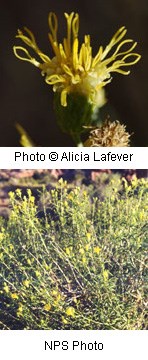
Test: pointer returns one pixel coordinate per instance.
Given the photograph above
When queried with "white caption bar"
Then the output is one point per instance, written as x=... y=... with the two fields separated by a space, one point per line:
x=73 y=158
x=103 y=345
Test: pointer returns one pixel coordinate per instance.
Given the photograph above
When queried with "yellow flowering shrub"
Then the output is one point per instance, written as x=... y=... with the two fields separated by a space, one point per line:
x=82 y=265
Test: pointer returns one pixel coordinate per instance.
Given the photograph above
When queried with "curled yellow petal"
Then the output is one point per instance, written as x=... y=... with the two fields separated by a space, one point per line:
x=29 y=58
x=53 y=25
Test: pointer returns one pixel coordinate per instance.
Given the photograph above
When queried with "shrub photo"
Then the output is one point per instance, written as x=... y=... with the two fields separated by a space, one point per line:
x=76 y=258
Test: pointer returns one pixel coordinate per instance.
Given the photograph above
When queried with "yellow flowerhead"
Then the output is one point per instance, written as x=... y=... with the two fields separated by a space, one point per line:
x=97 y=250
x=20 y=310
x=6 y=288
x=1 y=236
x=47 y=307
x=26 y=283
x=105 y=275
x=14 y=296
x=88 y=236
x=73 y=67
x=70 y=311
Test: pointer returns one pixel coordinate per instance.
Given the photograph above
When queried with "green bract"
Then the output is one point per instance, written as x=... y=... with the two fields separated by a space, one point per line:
x=77 y=114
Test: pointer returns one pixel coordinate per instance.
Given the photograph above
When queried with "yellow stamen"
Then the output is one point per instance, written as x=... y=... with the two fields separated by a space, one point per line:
x=29 y=58
x=53 y=25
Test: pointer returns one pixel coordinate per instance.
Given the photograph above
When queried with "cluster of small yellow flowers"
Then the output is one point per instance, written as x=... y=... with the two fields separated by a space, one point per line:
x=139 y=241
x=105 y=275
x=47 y=307
x=14 y=296
x=81 y=250
x=62 y=182
x=87 y=247
x=109 y=134
x=70 y=311
x=1 y=236
x=57 y=296
x=142 y=215
x=37 y=273
x=32 y=199
x=73 y=69
x=88 y=222
x=70 y=196
x=125 y=183
x=30 y=261
x=11 y=247
x=76 y=190
x=19 y=193
x=26 y=283
x=6 y=288
x=22 y=205
x=66 y=204
x=47 y=267
x=84 y=260
x=97 y=250
x=12 y=195
x=64 y=321
x=20 y=310
x=88 y=235
x=68 y=250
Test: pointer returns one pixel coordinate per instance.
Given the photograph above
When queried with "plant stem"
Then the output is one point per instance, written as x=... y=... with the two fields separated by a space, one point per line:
x=77 y=139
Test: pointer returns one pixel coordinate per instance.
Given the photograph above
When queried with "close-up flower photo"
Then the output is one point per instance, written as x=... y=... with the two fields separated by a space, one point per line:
x=73 y=249
x=76 y=76
x=93 y=86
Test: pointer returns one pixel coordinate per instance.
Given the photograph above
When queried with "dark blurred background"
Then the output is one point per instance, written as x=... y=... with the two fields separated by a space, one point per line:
x=27 y=99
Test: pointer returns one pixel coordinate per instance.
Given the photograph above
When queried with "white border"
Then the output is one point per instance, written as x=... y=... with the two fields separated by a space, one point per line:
x=117 y=344
x=73 y=158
